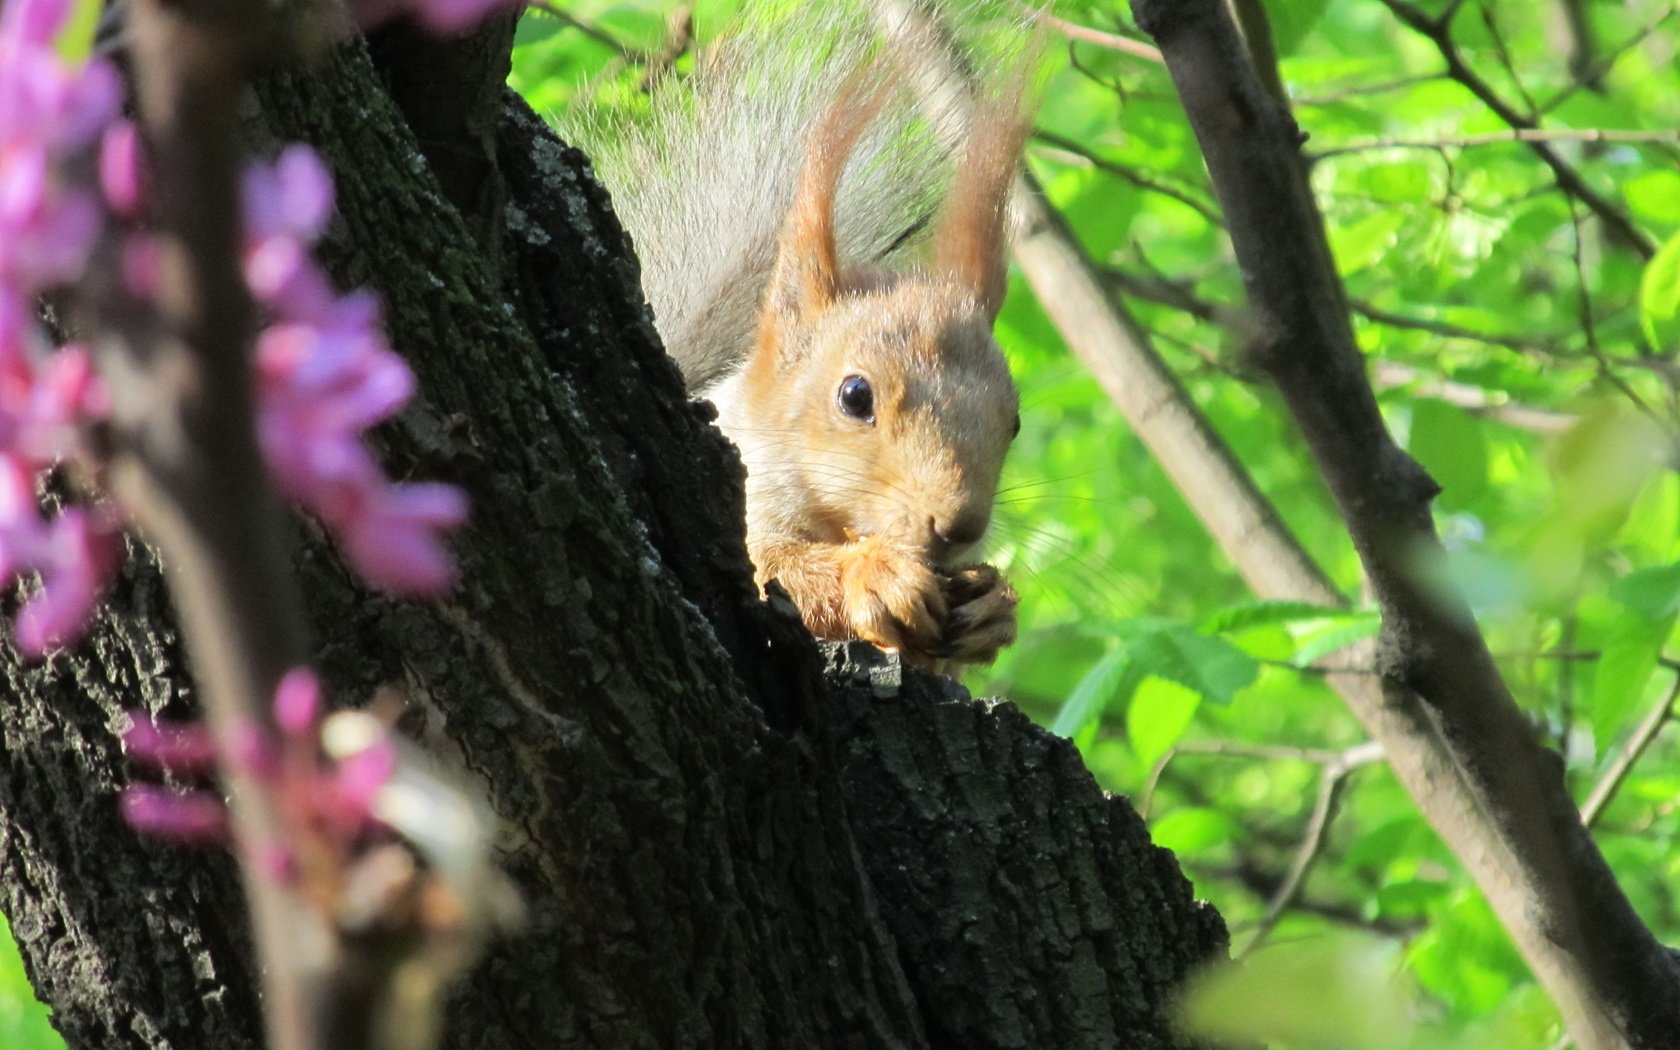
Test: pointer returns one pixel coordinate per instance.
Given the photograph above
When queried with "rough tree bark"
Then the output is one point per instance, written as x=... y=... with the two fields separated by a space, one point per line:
x=718 y=844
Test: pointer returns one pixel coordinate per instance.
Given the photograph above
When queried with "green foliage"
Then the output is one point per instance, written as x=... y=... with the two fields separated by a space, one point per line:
x=1521 y=350
x=23 y=1020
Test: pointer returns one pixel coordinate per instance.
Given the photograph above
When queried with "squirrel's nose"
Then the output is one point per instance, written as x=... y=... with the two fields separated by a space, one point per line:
x=961 y=530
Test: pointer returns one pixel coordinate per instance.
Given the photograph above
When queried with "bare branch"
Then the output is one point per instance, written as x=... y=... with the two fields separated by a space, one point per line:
x=1452 y=732
x=1643 y=734
x=1087 y=35
x=1131 y=175
x=1500 y=138
x=1387 y=375
x=1372 y=312
x=1437 y=31
x=187 y=463
x=1332 y=779
x=1661 y=12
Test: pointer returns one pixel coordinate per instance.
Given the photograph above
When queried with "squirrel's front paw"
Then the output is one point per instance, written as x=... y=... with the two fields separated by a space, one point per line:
x=982 y=616
x=893 y=599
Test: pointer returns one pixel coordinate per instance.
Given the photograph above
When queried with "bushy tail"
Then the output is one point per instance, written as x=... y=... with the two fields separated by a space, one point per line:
x=704 y=179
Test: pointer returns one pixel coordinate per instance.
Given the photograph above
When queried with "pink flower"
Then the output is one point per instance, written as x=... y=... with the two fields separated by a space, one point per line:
x=74 y=557
x=120 y=168
x=394 y=541
x=185 y=816
x=293 y=197
x=185 y=749
x=321 y=383
x=323 y=801
x=34 y=22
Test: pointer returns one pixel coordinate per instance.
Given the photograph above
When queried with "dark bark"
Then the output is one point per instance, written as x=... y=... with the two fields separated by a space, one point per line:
x=716 y=848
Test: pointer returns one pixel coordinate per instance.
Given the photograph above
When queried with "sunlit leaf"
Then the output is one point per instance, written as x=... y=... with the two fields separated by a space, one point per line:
x=1331 y=993
x=1316 y=644
x=1659 y=296
x=75 y=40
x=1156 y=718
x=1451 y=445
x=1210 y=667
x=1193 y=830
x=1101 y=686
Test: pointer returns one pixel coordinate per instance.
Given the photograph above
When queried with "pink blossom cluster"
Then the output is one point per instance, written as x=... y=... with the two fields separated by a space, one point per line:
x=324 y=805
x=324 y=376
x=51 y=116
x=324 y=371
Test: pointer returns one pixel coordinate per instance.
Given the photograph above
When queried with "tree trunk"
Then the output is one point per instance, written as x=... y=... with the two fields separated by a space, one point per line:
x=717 y=843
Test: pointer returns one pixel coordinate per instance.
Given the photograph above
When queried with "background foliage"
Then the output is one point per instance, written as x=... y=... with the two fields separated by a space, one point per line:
x=1524 y=351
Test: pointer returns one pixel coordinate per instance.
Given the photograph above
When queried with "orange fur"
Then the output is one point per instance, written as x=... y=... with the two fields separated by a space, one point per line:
x=866 y=523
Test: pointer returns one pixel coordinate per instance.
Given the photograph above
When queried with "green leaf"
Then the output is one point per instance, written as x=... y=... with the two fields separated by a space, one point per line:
x=1659 y=296
x=1626 y=662
x=1091 y=697
x=1362 y=243
x=1211 y=667
x=1410 y=898
x=23 y=1020
x=1292 y=21
x=1654 y=196
x=75 y=40
x=1326 y=992
x=1452 y=446
x=534 y=27
x=1194 y=829
x=1338 y=635
x=1157 y=717
x=1652 y=593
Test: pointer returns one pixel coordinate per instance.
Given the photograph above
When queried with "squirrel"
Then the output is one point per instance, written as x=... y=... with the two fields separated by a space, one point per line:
x=775 y=208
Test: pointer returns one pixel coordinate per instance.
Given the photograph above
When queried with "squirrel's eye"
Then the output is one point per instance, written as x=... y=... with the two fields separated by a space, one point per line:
x=1017 y=431
x=856 y=399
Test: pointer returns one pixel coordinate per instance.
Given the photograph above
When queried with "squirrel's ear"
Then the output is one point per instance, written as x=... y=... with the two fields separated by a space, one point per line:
x=968 y=239
x=806 y=276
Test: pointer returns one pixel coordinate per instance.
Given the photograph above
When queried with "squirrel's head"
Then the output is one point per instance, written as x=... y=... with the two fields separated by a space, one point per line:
x=884 y=404
x=888 y=412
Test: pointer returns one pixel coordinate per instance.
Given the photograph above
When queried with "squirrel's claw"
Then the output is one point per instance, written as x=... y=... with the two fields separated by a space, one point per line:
x=982 y=616
x=892 y=598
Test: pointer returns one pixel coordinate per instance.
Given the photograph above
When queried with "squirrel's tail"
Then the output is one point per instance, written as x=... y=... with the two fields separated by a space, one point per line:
x=704 y=179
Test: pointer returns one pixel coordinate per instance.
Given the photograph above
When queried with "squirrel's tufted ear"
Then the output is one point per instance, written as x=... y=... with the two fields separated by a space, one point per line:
x=968 y=239
x=806 y=276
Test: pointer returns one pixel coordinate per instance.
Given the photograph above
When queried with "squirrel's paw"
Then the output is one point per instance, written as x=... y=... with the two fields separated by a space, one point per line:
x=982 y=616
x=892 y=598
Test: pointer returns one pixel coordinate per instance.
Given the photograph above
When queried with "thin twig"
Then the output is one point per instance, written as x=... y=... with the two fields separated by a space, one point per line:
x=1437 y=31
x=1617 y=773
x=1667 y=136
x=1229 y=749
x=1388 y=375
x=1595 y=73
x=1331 y=779
x=1131 y=175
x=594 y=33
x=1454 y=734
x=1374 y=313
x=1087 y=35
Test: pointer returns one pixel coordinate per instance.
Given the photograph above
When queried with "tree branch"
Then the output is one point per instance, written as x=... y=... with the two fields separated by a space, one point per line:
x=1332 y=778
x=1499 y=138
x=186 y=460
x=1438 y=31
x=1643 y=734
x=1444 y=716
